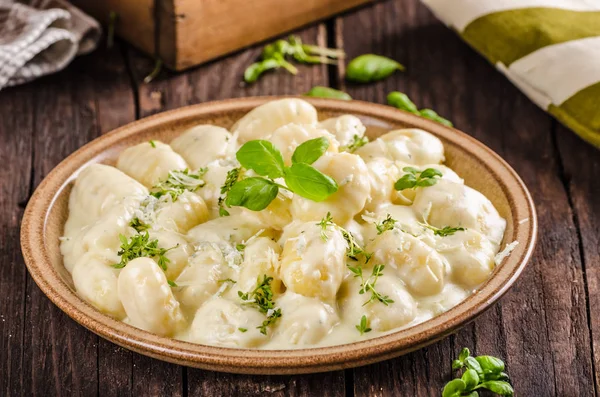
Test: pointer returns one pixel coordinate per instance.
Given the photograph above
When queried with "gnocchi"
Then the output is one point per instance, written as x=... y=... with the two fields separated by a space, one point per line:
x=156 y=243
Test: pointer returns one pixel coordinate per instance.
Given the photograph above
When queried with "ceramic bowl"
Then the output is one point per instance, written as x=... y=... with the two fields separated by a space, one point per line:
x=480 y=167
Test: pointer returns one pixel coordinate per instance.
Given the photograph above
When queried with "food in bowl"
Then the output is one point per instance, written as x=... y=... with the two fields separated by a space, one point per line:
x=287 y=232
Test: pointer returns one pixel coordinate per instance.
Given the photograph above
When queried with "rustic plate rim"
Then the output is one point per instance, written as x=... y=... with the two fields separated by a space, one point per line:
x=272 y=361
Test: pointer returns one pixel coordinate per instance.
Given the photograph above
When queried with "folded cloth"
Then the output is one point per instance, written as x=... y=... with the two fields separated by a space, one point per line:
x=549 y=49
x=41 y=37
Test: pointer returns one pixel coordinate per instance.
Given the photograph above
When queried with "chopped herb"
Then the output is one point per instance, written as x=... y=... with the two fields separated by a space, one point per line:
x=362 y=327
x=152 y=143
x=240 y=247
x=172 y=283
x=242 y=329
x=415 y=178
x=155 y=72
x=354 y=249
x=385 y=225
x=262 y=298
x=357 y=142
x=369 y=284
x=232 y=177
x=179 y=182
x=139 y=246
x=139 y=225
x=445 y=231
x=227 y=280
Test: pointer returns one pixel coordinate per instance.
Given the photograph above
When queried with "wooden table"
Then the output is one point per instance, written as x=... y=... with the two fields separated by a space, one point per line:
x=547 y=327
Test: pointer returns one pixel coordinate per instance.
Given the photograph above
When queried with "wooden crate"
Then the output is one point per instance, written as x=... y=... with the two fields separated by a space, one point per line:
x=184 y=33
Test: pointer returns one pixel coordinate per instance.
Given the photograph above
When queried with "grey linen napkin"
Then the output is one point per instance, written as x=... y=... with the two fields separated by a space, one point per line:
x=41 y=37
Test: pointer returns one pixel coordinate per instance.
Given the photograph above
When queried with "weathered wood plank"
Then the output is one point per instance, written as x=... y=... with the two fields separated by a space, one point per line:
x=220 y=80
x=16 y=132
x=540 y=326
x=61 y=357
x=581 y=167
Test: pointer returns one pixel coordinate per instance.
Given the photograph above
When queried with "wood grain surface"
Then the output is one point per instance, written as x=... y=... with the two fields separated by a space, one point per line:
x=547 y=328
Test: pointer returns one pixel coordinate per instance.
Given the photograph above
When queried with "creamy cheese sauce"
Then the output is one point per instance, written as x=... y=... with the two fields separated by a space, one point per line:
x=195 y=294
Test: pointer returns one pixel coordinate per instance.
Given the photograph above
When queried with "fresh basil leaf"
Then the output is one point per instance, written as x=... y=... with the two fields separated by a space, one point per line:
x=411 y=170
x=499 y=387
x=490 y=364
x=454 y=388
x=253 y=72
x=262 y=157
x=426 y=182
x=464 y=353
x=457 y=364
x=401 y=101
x=495 y=376
x=430 y=173
x=253 y=193
x=406 y=182
x=308 y=182
x=470 y=378
x=370 y=67
x=432 y=115
x=473 y=364
x=326 y=92
x=308 y=152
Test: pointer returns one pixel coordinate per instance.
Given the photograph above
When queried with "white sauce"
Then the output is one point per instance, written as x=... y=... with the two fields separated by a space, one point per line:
x=197 y=297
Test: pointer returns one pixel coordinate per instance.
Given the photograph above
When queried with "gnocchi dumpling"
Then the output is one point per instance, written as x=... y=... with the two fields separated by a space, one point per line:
x=179 y=250
x=214 y=178
x=418 y=265
x=221 y=322
x=232 y=229
x=261 y=258
x=288 y=137
x=345 y=128
x=306 y=320
x=470 y=255
x=150 y=162
x=313 y=261
x=452 y=204
x=412 y=146
x=383 y=174
x=351 y=175
x=262 y=121
x=381 y=317
x=181 y=215
x=148 y=299
x=97 y=189
x=203 y=144
x=95 y=281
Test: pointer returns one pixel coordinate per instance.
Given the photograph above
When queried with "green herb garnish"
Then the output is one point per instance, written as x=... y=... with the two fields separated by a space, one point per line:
x=326 y=92
x=415 y=178
x=110 y=32
x=242 y=329
x=443 y=232
x=362 y=327
x=354 y=249
x=152 y=143
x=262 y=298
x=227 y=280
x=178 y=182
x=370 y=67
x=256 y=193
x=274 y=56
x=401 y=101
x=232 y=177
x=481 y=372
x=172 y=283
x=368 y=285
x=357 y=142
x=155 y=71
x=139 y=246
x=139 y=225
x=387 y=224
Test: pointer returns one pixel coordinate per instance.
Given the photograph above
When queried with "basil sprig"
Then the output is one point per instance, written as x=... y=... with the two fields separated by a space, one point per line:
x=481 y=372
x=367 y=68
x=301 y=178
x=413 y=178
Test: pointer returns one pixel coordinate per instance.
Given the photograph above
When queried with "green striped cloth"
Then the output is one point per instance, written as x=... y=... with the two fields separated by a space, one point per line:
x=550 y=49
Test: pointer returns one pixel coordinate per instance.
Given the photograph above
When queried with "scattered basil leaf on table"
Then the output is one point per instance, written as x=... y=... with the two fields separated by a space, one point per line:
x=326 y=92
x=401 y=101
x=155 y=72
x=308 y=152
x=370 y=67
x=306 y=53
